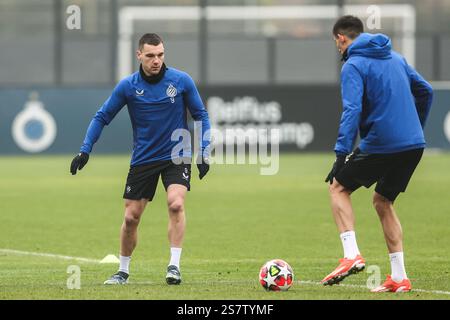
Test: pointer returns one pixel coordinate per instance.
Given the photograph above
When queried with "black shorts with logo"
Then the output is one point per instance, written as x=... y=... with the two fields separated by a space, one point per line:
x=143 y=179
x=391 y=172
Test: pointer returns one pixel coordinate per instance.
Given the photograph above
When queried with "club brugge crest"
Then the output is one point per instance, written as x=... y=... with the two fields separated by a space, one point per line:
x=171 y=93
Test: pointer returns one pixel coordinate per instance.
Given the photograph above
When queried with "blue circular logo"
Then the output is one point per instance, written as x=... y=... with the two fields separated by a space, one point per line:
x=34 y=129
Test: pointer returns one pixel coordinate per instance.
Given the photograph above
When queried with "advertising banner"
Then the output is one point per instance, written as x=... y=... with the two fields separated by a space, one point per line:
x=305 y=117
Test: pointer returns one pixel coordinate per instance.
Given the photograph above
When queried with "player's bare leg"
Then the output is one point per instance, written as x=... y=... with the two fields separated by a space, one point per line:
x=128 y=232
x=393 y=234
x=176 y=194
x=341 y=207
x=128 y=238
x=391 y=225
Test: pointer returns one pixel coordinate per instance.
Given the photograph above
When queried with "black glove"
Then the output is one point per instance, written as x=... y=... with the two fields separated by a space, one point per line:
x=337 y=166
x=79 y=162
x=203 y=166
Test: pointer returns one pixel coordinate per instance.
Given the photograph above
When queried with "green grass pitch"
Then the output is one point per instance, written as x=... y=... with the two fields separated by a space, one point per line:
x=236 y=221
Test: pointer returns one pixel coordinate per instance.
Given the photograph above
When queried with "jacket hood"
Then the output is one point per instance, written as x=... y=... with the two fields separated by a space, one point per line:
x=376 y=46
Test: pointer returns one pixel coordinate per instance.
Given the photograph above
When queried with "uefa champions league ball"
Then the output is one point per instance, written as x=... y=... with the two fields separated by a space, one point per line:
x=276 y=275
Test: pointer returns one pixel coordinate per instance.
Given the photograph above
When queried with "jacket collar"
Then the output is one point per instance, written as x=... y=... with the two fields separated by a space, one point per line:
x=153 y=79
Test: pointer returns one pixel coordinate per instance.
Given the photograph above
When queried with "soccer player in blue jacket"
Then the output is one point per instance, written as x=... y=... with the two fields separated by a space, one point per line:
x=157 y=98
x=388 y=102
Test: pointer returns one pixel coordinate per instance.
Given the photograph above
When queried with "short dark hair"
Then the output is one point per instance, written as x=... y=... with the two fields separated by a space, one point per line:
x=149 y=38
x=349 y=26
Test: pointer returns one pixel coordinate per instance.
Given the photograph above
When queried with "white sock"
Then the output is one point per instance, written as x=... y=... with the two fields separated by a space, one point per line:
x=175 y=254
x=348 y=239
x=397 y=266
x=124 y=264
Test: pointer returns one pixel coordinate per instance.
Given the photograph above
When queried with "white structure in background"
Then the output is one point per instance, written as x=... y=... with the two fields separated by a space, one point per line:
x=34 y=111
x=447 y=126
x=405 y=13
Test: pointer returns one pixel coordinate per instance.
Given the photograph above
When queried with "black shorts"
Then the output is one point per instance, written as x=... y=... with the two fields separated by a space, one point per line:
x=142 y=180
x=391 y=172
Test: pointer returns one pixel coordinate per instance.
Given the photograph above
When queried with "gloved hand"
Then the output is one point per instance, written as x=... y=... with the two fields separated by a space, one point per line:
x=79 y=162
x=202 y=165
x=337 y=166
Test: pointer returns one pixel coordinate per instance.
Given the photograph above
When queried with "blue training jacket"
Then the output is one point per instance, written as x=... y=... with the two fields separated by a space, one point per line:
x=383 y=97
x=156 y=110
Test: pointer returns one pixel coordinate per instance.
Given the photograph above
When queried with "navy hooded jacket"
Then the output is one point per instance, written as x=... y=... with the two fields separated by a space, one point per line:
x=383 y=97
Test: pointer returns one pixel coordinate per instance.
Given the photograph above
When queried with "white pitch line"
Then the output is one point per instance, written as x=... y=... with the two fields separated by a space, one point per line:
x=432 y=291
x=364 y=287
x=47 y=255
x=58 y=256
